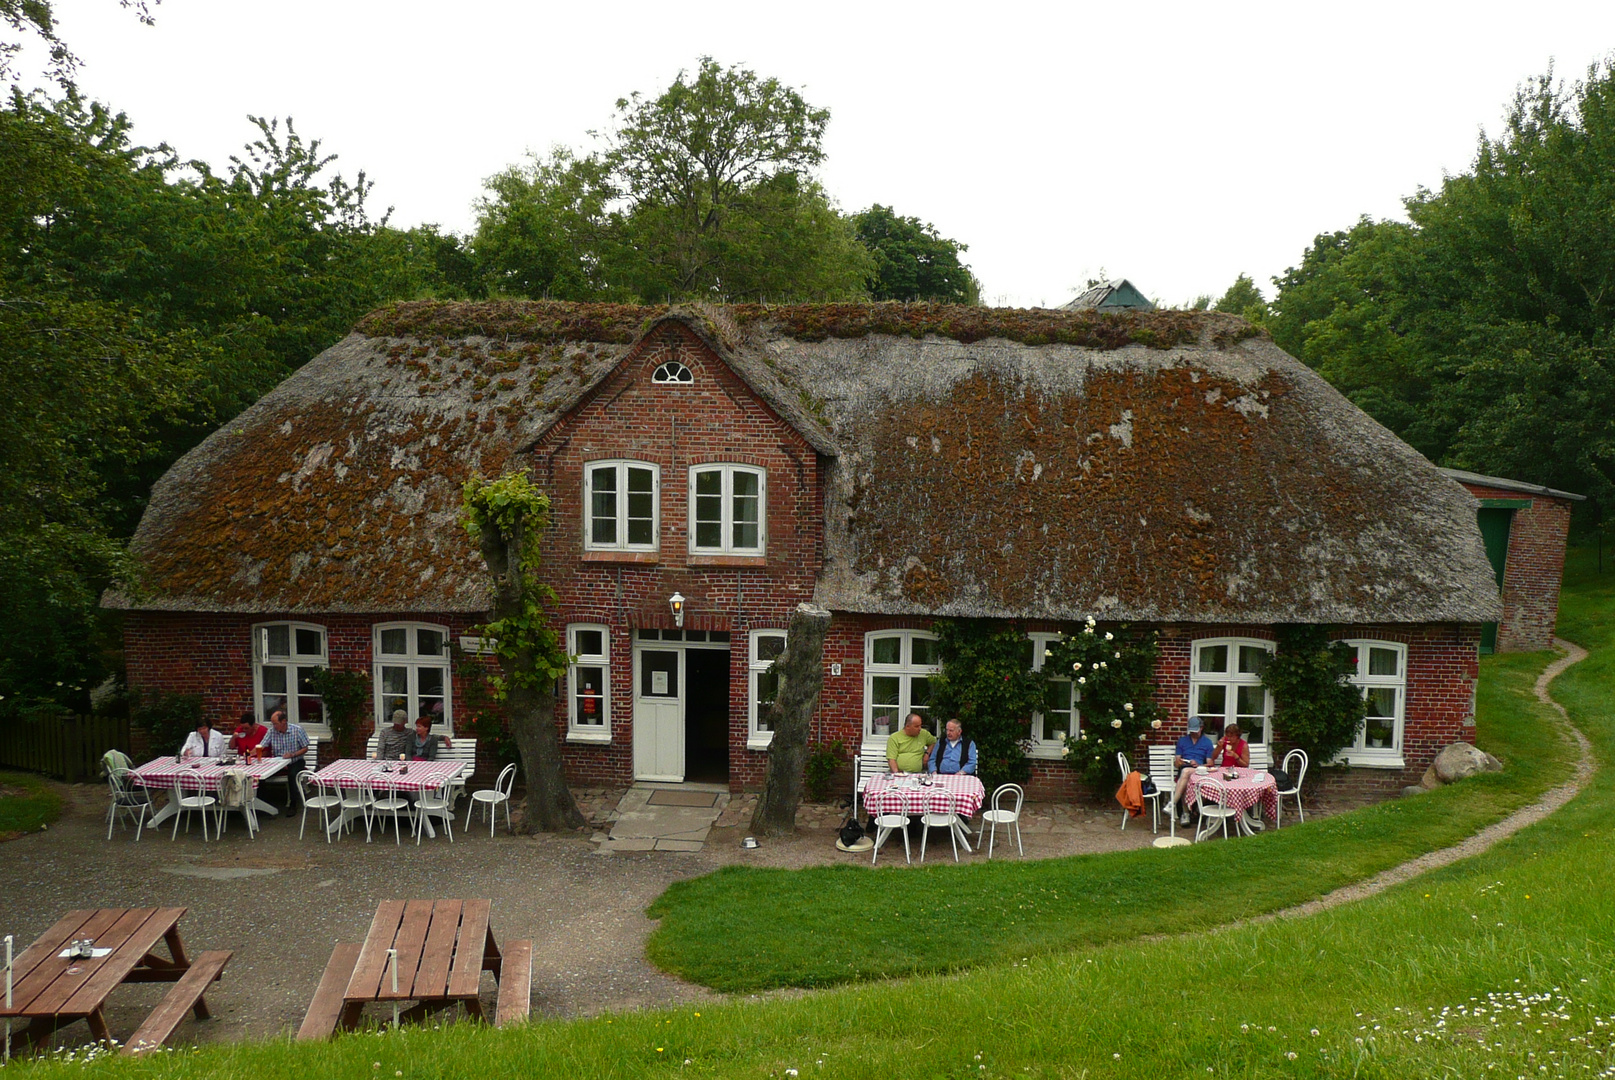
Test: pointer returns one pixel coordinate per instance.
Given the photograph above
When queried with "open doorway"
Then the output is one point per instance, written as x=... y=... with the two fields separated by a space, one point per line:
x=706 y=716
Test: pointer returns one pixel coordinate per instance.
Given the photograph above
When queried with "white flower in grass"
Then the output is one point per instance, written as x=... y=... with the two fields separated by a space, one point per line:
x=1116 y=723
x=1291 y=1055
x=1314 y=1033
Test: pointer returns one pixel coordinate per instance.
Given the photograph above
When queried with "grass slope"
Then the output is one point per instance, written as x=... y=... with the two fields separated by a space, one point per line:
x=27 y=804
x=828 y=925
x=1430 y=979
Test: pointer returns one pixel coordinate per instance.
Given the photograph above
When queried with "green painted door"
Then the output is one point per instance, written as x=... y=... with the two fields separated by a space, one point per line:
x=1494 y=526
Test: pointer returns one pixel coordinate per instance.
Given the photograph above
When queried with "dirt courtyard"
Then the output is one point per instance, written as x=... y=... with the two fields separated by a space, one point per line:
x=281 y=904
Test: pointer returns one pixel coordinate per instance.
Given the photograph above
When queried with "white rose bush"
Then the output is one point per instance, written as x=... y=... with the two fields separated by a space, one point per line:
x=1112 y=669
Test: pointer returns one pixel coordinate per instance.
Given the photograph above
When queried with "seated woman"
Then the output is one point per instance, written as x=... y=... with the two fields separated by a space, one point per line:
x=424 y=745
x=1231 y=751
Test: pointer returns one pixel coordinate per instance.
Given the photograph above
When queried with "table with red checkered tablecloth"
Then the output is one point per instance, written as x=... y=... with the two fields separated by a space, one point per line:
x=164 y=772
x=1250 y=788
x=350 y=774
x=907 y=793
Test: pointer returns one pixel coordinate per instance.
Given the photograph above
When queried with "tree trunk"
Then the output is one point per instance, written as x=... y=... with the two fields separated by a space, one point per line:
x=531 y=709
x=801 y=678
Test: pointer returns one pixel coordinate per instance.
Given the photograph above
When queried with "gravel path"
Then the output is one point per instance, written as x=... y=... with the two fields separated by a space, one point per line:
x=1481 y=841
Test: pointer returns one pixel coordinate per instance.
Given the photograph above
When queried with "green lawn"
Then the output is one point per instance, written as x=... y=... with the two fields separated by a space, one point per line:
x=858 y=924
x=1434 y=977
x=27 y=803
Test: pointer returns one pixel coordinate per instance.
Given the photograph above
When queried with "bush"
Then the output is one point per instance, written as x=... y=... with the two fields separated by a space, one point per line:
x=988 y=685
x=1314 y=706
x=822 y=762
x=1114 y=672
x=167 y=718
x=344 y=695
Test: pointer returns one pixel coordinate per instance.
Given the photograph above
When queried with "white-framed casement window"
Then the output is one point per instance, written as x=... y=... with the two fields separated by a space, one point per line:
x=412 y=673
x=621 y=498
x=766 y=648
x=726 y=510
x=898 y=668
x=284 y=655
x=1059 y=716
x=588 y=679
x=1225 y=683
x=1381 y=672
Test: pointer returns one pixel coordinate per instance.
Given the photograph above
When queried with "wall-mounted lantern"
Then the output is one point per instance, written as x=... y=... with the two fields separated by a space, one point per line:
x=676 y=602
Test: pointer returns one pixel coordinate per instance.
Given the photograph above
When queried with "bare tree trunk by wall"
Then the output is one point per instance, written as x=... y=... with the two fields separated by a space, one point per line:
x=801 y=672
x=531 y=710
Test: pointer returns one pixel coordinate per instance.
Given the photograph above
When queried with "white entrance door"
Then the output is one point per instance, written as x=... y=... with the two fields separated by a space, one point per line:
x=659 y=715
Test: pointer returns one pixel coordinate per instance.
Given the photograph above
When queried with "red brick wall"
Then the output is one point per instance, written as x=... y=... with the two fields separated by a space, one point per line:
x=716 y=418
x=1533 y=569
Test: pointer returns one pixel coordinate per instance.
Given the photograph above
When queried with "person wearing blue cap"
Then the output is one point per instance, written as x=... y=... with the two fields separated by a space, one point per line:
x=1194 y=750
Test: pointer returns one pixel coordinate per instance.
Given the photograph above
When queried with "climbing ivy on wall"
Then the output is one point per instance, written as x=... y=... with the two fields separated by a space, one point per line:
x=1314 y=706
x=987 y=685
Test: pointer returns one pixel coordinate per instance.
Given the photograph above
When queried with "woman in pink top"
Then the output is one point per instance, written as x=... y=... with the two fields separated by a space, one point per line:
x=1231 y=750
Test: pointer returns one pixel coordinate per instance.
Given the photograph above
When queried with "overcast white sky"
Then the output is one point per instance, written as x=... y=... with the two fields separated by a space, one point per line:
x=1174 y=144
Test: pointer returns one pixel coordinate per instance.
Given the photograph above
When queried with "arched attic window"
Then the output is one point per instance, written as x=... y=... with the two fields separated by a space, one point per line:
x=672 y=373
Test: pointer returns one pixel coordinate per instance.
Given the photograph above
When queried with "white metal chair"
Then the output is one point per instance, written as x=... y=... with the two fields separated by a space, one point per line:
x=198 y=800
x=949 y=821
x=128 y=798
x=385 y=802
x=492 y=798
x=1211 y=800
x=438 y=804
x=1152 y=797
x=324 y=802
x=352 y=805
x=885 y=825
x=247 y=793
x=1295 y=768
x=1010 y=819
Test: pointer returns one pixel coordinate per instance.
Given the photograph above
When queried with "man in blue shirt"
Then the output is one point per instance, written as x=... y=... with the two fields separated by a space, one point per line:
x=1194 y=750
x=954 y=754
x=289 y=741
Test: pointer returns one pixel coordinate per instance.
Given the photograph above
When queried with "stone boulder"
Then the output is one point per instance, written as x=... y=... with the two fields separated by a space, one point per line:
x=1456 y=762
x=1413 y=789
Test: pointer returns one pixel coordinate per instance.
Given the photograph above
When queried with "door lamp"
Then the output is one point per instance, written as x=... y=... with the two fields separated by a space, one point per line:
x=676 y=602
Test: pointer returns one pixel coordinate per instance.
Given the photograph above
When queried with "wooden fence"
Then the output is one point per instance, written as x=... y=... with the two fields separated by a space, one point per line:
x=66 y=747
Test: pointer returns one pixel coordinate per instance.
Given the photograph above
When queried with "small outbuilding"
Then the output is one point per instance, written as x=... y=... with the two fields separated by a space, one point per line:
x=1525 y=528
x=1118 y=295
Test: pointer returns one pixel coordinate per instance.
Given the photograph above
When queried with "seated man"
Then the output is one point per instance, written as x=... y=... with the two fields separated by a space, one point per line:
x=397 y=741
x=909 y=750
x=203 y=742
x=248 y=734
x=954 y=754
x=287 y=740
x=1193 y=750
x=424 y=745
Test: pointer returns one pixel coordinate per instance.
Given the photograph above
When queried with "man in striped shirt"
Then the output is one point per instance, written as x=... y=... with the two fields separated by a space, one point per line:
x=287 y=740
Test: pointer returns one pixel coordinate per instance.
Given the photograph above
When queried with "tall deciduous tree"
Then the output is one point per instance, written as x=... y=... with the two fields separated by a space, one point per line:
x=506 y=518
x=801 y=678
x=913 y=261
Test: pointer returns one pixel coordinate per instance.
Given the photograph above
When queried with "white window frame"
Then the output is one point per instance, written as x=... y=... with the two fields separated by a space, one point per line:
x=292 y=661
x=757 y=739
x=672 y=373
x=1360 y=753
x=622 y=466
x=575 y=730
x=1233 y=679
x=726 y=524
x=1042 y=745
x=906 y=671
x=412 y=660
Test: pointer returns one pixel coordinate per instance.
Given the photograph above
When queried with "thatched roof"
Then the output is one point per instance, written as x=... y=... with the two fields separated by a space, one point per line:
x=1161 y=466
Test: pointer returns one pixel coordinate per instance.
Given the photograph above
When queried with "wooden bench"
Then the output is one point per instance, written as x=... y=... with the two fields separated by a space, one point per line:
x=515 y=983
x=185 y=996
x=327 y=1009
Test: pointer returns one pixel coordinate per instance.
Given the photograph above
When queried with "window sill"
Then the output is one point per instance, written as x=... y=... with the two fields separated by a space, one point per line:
x=643 y=558
x=1054 y=752
x=1370 y=759
x=596 y=738
x=760 y=743
x=726 y=560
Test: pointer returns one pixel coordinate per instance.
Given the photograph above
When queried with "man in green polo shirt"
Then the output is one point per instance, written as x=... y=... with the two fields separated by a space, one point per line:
x=910 y=749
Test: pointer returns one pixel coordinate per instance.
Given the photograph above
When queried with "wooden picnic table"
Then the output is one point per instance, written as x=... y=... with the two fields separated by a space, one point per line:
x=442 y=947
x=50 y=990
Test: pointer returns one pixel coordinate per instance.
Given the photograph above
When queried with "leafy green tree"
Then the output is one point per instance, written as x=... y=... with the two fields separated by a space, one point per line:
x=1315 y=706
x=542 y=230
x=1243 y=298
x=36 y=19
x=913 y=261
x=1113 y=672
x=988 y=685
